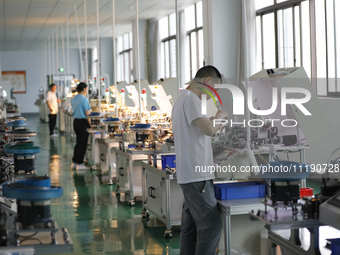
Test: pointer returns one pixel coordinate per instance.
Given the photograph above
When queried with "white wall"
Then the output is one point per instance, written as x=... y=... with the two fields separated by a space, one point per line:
x=221 y=35
x=106 y=58
x=221 y=27
x=30 y=61
x=320 y=152
x=142 y=50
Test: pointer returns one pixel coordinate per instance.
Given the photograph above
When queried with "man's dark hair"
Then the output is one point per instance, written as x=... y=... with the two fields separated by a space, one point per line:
x=81 y=86
x=51 y=85
x=207 y=71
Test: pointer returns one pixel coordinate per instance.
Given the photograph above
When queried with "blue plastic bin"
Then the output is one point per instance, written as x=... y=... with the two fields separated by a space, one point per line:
x=168 y=160
x=239 y=190
x=142 y=126
x=335 y=246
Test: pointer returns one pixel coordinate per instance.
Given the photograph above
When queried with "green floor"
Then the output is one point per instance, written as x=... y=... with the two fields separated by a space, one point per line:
x=89 y=208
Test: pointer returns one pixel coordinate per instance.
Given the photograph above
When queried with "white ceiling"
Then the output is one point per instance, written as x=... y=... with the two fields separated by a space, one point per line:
x=27 y=24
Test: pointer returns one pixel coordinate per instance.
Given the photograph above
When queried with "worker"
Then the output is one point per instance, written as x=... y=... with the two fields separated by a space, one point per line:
x=201 y=223
x=81 y=109
x=52 y=103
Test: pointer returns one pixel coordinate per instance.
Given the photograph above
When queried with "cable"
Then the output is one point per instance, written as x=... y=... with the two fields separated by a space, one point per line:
x=26 y=239
x=263 y=158
x=29 y=235
x=267 y=183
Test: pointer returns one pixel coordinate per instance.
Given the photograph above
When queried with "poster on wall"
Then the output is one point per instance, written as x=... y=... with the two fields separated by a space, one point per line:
x=16 y=80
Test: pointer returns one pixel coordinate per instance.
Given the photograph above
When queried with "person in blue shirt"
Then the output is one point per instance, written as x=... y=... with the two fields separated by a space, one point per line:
x=81 y=109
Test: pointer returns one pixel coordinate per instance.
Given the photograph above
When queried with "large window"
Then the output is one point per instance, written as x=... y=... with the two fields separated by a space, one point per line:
x=194 y=48
x=301 y=33
x=194 y=42
x=125 y=64
x=167 y=32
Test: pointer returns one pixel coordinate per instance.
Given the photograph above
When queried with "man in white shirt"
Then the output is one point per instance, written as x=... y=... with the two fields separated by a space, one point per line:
x=52 y=103
x=201 y=224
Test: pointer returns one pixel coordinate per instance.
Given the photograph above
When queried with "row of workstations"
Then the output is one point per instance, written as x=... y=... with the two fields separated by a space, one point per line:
x=27 y=226
x=123 y=101
x=138 y=154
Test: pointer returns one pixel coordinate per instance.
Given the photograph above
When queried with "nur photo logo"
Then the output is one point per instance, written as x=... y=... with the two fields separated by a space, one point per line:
x=238 y=103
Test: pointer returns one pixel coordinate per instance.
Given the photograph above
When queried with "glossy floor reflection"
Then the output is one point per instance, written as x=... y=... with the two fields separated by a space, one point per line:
x=97 y=221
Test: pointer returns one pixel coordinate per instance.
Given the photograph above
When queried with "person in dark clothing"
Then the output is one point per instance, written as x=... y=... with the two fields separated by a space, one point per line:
x=81 y=109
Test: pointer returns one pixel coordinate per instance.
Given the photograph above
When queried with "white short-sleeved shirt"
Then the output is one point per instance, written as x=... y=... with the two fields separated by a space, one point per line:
x=51 y=97
x=193 y=148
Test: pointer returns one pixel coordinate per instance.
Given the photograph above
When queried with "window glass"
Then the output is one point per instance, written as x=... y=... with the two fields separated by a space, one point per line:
x=280 y=37
x=119 y=68
x=163 y=27
x=193 y=54
x=320 y=47
x=126 y=67
x=126 y=41
x=131 y=66
x=269 y=41
x=190 y=17
x=288 y=37
x=330 y=46
x=173 y=58
x=200 y=49
x=306 y=54
x=199 y=14
x=172 y=24
x=258 y=44
x=297 y=36
x=130 y=37
x=259 y=4
x=162 y=61
x=337 y=59
x=187 y=60
x=280 y=1
x=120 y=44
x=166 y=59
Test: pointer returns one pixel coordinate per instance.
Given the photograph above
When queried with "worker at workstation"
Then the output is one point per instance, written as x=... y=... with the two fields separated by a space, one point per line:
x=81 y=109
x=201 y=223
x=52 y=103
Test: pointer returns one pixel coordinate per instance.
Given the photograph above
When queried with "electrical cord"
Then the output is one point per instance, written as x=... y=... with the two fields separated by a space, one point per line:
x=27 y=239
x=29 y=235
x=267 y=183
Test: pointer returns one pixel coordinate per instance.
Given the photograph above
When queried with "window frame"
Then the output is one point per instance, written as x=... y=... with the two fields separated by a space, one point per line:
x=313 y=36
x=166 y=65
x=189 y=36
x=274 y=9
x=166 y=41
x=121 y=56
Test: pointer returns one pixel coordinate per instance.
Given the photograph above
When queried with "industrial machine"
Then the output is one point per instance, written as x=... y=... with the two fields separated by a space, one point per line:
x=161 y=193
x=133 y=94
x=278 y=126
x=20 y=147
x=285 y=127
x=26 y=224
x=145 y=143
x=164 y=92
x=26 y=219
x=110 y=139
x=95 y=133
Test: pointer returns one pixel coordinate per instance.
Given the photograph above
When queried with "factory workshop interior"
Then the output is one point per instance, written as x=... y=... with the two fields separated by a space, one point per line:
x=192 y=127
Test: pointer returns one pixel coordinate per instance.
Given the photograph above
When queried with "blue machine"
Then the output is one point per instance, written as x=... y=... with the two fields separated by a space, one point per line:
x=24 y=155
x=33 y=195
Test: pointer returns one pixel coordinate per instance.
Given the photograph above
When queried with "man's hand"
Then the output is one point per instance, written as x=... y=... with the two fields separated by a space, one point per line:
x=221 y=115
